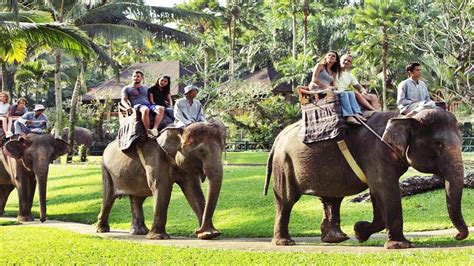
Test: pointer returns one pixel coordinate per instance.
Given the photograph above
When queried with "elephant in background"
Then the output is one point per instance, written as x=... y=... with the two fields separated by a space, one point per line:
x=24 y=163
x=151 y=169
x=430 y=142
x=82 y=136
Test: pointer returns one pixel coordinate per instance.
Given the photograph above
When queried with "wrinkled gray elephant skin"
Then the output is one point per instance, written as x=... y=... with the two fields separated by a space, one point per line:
x=184 y=159
x=24 y=163
x=430 y=142
x=82 y=136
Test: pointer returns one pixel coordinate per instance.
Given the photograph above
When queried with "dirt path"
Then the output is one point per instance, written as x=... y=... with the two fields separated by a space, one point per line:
x=304 y=244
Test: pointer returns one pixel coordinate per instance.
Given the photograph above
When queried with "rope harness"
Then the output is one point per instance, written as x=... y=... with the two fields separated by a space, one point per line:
x=351 y=161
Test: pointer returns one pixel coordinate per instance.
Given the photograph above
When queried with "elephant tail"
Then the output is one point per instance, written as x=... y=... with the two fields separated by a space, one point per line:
x=269 y=170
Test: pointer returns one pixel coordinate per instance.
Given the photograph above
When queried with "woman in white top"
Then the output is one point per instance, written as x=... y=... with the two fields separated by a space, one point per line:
x=4 y=107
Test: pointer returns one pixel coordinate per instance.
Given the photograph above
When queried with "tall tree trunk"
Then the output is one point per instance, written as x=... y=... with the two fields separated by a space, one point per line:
x=234 y=12
x=305 y=35
x=384 y=67
x=58 y=125
x=206 y=68
x=8 y=78
x=72 y=112
x=293 y=27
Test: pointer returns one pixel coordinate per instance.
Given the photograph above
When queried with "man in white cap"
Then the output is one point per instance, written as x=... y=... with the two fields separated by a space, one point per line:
x=188 y=110
x=35 y=122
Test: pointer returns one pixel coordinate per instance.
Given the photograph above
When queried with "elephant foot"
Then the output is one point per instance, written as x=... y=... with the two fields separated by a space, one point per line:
x=102 y=228
x=139 y=230
x=362 y=232
x=207 y=234
x=283 y=241
x=157 y=236
x=332 y=233
x=25 y=218
x=392 y=244
x=2 y=212
x=335 y=236
x=462 y=234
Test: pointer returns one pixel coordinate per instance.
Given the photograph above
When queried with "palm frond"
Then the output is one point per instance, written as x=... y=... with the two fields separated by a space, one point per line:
x=105 y=58
x=27 y=16
x=115 y=31
x=172 y=13
x=13 y=39
x=110 y=13
x=162 y=32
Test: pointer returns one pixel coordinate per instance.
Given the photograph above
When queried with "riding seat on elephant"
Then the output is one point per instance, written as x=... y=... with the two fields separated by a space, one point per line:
x=131 y=128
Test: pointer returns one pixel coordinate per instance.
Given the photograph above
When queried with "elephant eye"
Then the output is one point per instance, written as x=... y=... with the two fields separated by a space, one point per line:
x=439 y=144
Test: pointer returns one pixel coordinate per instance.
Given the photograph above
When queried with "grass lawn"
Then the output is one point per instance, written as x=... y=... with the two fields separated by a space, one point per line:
x=34 y=245
x=74 y=194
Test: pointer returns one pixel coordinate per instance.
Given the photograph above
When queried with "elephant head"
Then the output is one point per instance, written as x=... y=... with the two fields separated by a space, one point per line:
x=35 y=152
x=198 y=152
x=431 y=143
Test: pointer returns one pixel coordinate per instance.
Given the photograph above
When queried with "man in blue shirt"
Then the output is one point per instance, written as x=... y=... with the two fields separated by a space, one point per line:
x=32 y=122
x=136 y=96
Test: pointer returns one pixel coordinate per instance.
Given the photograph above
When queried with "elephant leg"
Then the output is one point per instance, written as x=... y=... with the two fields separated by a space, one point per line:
x=391 y=206
x=24 y=214
x=138 y=219
x=331 y=225
x=5 y=191
x=108 y=199
x=31 y=188
x=363 y=229
x=283 y=207
x=161 y=198
x=195 y=197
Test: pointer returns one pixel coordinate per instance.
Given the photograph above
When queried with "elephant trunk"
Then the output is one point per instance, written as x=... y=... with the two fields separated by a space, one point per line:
x=454 y=185
x=42 y=178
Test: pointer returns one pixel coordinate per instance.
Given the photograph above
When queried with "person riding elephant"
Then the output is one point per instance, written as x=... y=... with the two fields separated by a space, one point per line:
x=151 y=169
x=429 y=142
x=25 y=162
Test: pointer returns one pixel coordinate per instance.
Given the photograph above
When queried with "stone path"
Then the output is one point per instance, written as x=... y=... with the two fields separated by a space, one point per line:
x=304 y=244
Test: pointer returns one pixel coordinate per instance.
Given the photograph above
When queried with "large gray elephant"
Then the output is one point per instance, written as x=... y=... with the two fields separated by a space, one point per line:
x=151 y=170
x=25 y=162
x=429 y=142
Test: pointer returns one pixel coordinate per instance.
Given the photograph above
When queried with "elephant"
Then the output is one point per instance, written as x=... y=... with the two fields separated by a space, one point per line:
x=430 y=142
x=25 y=162
x=150 y=169
x=82 y=136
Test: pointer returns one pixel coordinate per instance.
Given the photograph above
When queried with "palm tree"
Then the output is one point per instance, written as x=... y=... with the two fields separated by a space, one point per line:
x=376 y=20
x=15 y=36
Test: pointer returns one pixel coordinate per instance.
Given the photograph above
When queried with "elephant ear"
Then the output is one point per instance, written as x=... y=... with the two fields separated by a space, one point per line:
x=14 y=149
x=60 y=148
x=170 y=140
x=398 y=133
